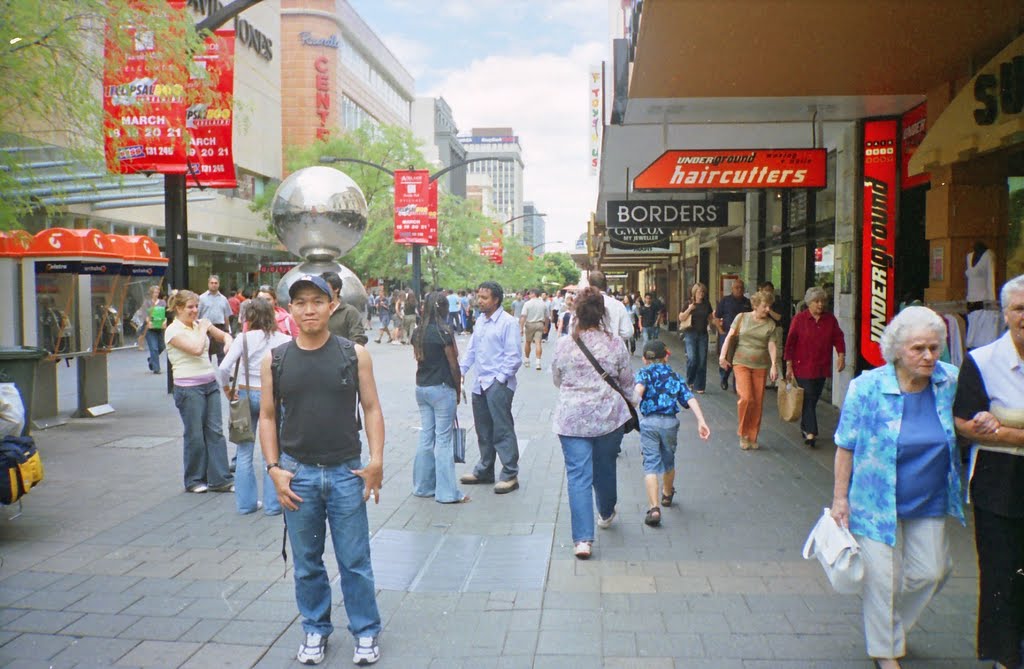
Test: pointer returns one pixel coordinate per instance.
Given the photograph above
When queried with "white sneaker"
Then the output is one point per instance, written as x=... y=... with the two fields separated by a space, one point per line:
x=313 y=648
x=538 y=364
x=605 y=523
x=366 y=651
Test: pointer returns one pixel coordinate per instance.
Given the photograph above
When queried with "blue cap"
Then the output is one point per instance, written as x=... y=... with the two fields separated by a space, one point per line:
x=313 y=281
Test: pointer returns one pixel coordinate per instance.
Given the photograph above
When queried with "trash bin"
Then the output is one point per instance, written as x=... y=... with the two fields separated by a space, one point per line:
x=18 y=365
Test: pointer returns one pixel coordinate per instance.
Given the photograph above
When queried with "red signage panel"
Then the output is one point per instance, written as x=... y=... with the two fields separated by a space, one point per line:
x=143 y=100
x=493 y=248
x=209 y=117
x=413 y=199
x=913 y=128
x=735 y=169
x=877 y=297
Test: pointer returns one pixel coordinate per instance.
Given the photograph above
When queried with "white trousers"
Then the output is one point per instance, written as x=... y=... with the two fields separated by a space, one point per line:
x=900 y=580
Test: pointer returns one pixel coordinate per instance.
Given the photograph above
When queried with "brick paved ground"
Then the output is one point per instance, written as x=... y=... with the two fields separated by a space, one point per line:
x=111 y=564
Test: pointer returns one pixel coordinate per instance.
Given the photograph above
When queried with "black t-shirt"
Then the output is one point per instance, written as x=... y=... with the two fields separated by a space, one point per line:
x=699 y=316
x=649 y=314
x=998 y=477
x=410 y=308
x=434 y=370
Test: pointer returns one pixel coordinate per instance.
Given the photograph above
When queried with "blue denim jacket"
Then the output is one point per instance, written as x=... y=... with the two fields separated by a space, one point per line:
x=870 y=427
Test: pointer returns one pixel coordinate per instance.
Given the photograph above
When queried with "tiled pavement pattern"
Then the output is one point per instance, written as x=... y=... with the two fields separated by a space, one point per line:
x=111 y=565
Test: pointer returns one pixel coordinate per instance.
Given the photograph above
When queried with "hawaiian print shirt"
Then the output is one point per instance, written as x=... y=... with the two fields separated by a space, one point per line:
x=870 y=427
x=664 y=391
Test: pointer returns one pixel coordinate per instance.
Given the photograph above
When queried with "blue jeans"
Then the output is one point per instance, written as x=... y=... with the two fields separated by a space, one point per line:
x=495 y=432
x=206 y=450
x=246 y=492
x=155 y=344
x=590 y=463
x=658 y=436
x=331 y=496
x=433 y=469
x=696 y=344
x=651 y=332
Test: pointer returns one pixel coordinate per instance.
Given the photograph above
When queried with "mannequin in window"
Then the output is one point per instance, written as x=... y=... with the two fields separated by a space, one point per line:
x=981 y=276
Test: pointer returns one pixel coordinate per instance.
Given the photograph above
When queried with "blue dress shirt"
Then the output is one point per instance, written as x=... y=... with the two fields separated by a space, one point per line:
x=495 y=350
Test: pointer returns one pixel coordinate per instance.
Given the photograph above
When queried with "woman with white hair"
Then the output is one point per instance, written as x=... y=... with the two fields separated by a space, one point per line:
x=897 y=478
x=813 y=334
x=989 y=411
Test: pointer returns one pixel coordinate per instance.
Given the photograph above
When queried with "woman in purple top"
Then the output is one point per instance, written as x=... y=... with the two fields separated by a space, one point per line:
x=589 y=416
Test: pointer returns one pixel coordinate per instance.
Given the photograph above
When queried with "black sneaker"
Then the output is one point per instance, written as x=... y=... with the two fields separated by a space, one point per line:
x=725 y=385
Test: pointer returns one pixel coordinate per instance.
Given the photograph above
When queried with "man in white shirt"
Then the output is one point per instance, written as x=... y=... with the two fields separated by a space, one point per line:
x=213 y=305
x=618 y=319
x=533 y=321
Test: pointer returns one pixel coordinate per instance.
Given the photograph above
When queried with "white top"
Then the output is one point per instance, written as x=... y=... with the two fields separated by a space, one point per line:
x=259 y=345
x=185 y=365
x=981 y=278
x=535 y=310
x=619 y=321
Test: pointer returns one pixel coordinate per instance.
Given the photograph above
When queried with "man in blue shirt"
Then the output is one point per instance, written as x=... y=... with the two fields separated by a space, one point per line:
x=729 y=307
x=454 y=320
x=494 y=353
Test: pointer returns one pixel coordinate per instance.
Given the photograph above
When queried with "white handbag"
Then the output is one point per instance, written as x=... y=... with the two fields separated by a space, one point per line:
x=838 y=553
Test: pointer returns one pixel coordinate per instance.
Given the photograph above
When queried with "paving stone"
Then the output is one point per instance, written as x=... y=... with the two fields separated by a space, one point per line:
x=100 y=625
x=98 y=651
x=159 y=654
x=103 y=603
x=158 y=628
x=33 y=647
x=223 y=655
x=43 y=622
x=158 y=605
x=249 y=632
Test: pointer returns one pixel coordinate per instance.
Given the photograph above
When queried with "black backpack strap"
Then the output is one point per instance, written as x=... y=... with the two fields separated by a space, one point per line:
x=351 y=361
x=278 y=355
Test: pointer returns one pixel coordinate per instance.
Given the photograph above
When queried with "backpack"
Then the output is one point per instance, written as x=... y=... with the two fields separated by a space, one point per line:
x=21 y=468
x=349 y=362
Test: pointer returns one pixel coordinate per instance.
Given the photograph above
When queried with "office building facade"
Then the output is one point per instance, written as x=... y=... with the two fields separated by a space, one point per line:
x=434 y=126
x=505 y=170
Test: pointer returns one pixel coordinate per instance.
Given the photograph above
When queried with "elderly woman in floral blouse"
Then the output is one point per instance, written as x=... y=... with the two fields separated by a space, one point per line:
x=589 y=417
x=897 y=478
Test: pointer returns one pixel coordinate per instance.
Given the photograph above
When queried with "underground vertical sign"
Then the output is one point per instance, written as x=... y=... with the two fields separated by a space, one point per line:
x=879 y=229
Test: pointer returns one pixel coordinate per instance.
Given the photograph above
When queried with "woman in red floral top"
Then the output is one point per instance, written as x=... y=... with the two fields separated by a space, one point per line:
x=813 y=334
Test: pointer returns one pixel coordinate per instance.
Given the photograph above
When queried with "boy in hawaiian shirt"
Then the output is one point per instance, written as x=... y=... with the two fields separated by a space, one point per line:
x=661 y=392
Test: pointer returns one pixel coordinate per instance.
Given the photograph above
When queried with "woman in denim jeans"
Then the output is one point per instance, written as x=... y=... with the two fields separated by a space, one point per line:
x=196 y=395
x=438 y=381
x=262 y=335
x=589 y=417
x=695 y=337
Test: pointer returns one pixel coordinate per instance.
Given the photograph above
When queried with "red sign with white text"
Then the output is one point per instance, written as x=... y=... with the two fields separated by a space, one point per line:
x=414 y=195
x=877 y=296
x=209 y=116
x=493 y=249
x=144 y=102
x=913 y=128
x=735 y=169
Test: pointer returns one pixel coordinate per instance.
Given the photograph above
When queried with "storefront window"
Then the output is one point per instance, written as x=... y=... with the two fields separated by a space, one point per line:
x=1015 y=238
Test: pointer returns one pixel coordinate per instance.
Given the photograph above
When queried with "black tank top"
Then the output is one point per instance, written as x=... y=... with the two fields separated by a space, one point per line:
x=318 y=403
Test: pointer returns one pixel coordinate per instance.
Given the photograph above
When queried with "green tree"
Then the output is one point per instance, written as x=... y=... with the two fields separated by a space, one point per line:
x=51 y=64
x=559 y=268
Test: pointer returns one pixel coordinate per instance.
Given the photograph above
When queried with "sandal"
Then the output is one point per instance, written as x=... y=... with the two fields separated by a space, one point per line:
x=666 y=497
x=653 y=517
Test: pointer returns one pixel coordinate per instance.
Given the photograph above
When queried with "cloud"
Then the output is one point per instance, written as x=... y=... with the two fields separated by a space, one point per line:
x=414 y=55
x=543 y=97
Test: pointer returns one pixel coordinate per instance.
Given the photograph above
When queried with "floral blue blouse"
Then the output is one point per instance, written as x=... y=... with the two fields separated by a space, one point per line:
x=870 y=426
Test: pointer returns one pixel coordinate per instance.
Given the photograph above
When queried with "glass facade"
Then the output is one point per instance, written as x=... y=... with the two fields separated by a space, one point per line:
x=353 y=116
x=355 y=62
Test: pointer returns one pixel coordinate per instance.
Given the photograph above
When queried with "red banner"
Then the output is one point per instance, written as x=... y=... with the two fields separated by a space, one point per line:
x=913 y=128
x=877 y=297
x=493 y=248
x=209 y=118
x=144 y=101
x=735 y=169
x=415 y=202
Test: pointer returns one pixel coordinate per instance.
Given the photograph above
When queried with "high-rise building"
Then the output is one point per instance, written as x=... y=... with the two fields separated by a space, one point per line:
x=506 y=171
x=480 y=190
x=533 y=228
x=434 y=125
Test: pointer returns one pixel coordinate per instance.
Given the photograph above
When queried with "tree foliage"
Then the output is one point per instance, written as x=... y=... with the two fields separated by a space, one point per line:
x=51 y=68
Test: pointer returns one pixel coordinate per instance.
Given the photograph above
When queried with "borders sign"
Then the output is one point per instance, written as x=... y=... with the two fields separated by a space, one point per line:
x=672 y=214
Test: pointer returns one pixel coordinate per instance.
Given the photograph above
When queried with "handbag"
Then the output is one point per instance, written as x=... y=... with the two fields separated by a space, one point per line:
x=459 y=441
x=686 y=322
x=633 y=423
x=838 y=553
x=240 y=417
x=791 y=402
x=730 y=349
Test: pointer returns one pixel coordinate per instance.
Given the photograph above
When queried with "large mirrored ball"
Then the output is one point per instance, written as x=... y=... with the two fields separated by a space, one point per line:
x=352 y=291
x=319 y=213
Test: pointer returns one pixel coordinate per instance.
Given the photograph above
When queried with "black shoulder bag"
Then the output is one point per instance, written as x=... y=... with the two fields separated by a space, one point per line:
x=634 y=420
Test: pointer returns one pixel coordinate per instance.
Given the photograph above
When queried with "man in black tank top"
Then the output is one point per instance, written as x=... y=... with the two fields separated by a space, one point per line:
x=313 y=457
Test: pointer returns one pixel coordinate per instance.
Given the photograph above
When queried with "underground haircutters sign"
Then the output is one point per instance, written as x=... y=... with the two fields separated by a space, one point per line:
x=665 y=214
x=878 y=242
x=735 y=169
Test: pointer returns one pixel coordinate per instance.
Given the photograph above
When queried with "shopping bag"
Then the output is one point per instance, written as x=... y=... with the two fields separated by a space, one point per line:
x=459 y=441
x=791 y=401
x=838 y=552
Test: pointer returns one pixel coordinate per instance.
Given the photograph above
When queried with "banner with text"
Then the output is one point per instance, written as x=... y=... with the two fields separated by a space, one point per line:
x=143 y=100
x=209 y=118
x=413 y=222
x=639 y=238
x=492 y=246
x=735 y=169
x=913 y=128
x=666 y=214
x=596 y=122
x=877 y=295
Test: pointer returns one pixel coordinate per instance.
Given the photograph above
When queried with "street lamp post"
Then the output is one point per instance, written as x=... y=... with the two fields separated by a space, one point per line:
x=416 y=258
x=544 y=244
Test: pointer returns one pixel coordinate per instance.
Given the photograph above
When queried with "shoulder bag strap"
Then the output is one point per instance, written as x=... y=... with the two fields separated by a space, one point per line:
x=245 y=358
x=600 y=370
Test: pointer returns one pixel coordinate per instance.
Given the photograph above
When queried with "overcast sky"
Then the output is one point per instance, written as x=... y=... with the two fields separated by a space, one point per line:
x=517 y=63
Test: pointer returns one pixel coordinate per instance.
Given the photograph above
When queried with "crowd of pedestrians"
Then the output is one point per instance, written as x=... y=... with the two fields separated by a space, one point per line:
x=897 y=463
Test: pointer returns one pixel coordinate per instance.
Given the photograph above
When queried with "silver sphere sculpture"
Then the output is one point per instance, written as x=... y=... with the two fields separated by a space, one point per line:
x=319 y=213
